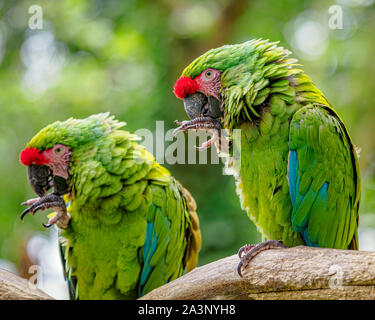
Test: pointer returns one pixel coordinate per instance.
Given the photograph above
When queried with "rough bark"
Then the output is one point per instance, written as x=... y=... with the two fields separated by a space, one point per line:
x=293 y=273
x=13 y=287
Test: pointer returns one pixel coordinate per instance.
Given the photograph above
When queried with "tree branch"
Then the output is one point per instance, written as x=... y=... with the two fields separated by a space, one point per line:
x=13 y=287
x=293 y=273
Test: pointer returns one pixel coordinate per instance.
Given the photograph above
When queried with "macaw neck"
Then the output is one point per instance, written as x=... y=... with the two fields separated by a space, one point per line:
x=275 y=96
x=104 y=179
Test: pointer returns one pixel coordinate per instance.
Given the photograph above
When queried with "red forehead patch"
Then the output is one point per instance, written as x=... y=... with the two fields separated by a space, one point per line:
x=30 y=156
x=185 y=86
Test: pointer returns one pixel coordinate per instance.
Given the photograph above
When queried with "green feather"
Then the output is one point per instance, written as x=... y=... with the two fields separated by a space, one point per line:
x=277 y=107
x=117 y=189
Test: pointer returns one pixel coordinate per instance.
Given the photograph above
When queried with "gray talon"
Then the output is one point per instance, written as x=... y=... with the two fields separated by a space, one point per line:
x=49 y=201
x=252 y=250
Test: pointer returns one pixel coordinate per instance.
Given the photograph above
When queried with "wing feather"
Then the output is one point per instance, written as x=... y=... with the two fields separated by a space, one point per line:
x=323 y=178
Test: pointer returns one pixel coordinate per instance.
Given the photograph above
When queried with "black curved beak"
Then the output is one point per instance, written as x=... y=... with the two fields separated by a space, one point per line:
x=60 y=186
x=41 y=180
x=199 y=105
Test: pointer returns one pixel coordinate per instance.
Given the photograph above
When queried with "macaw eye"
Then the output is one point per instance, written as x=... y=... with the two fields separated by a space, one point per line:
x=58 y=150
x=209 y=74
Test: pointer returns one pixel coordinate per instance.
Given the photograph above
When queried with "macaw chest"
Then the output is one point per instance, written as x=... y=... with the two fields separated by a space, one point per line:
x=262 y=180
x=105 y=259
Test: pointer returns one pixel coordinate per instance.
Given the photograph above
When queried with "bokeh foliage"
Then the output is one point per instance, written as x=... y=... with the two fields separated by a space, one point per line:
x=124 y=57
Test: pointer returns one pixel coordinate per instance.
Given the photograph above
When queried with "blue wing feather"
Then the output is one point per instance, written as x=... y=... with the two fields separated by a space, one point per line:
x=323 y=179
x=311 y=200
x=149 y=249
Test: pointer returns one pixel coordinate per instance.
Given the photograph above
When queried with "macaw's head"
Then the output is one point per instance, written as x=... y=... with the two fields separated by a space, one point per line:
x=224 y=85
x=47 y=168
x=50 y=154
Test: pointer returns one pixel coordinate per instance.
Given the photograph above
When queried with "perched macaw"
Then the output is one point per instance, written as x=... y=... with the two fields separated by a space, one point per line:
x=127 y=226
x=298 y=176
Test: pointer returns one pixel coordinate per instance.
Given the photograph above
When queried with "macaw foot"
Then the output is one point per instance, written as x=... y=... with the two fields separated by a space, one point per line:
x=49 y=201
x=202 y=123
x=249 y=251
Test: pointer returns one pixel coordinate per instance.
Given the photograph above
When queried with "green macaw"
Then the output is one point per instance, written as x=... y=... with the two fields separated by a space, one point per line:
x=127 y=226
x=297 y=175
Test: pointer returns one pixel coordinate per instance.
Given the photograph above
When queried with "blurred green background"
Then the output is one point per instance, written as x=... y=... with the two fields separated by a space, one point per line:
x=124 y=57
